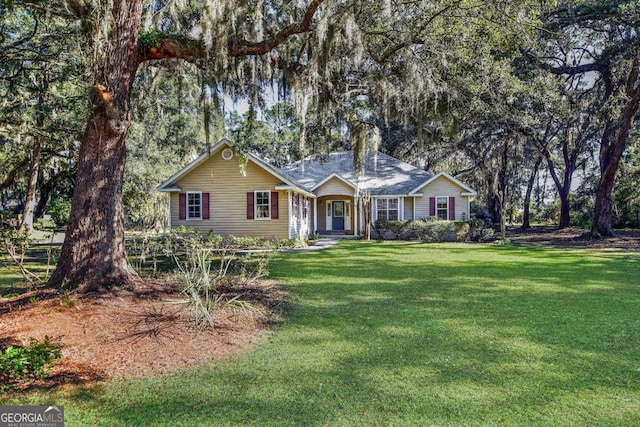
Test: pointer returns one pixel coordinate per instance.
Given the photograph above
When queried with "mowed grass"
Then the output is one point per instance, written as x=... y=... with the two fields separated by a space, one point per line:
x=395 y=334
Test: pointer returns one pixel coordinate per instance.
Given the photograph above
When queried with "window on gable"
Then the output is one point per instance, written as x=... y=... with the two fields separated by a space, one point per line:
x=442 y=208
x=263 y=205
x=194 y=205
x=387 y=209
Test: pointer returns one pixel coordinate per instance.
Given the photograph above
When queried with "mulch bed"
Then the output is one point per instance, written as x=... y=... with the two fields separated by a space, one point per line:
x=133 y=334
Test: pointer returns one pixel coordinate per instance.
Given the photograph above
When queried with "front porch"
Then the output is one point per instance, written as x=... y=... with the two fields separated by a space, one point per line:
x=337 y=215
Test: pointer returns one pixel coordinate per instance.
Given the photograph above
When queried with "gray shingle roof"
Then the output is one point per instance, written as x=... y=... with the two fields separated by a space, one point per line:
x=383 y=174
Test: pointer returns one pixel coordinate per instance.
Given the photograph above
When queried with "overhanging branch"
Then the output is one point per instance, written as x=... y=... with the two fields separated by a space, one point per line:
x=193 y=50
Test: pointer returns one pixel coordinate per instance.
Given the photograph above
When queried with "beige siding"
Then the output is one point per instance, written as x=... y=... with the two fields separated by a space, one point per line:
x=408 y=208
x=227 y=189
x=322 y=214
x=441 y=187
x=334 y=187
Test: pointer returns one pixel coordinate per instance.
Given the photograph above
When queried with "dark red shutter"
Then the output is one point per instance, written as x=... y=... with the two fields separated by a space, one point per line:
x=182 y=206
x=250 y=205
x=205 y=206
x=274 y=205
x=432 y=206
x=452 y=208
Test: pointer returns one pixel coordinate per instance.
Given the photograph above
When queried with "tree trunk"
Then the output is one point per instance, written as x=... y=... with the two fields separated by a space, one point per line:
x=526 y=214
x=26 y=225
x=502 y=187
x=45 y=191
x=613 y=143
x=565 y=211
x=93 y=257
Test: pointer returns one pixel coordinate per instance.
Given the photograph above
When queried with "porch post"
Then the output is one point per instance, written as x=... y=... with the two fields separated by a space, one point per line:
x=289 y=219
x=356 y=211
x=169 y=211
x=315 y=215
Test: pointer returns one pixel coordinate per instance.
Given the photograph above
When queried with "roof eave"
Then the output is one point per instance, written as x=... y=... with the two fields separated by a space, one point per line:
x=295 y=188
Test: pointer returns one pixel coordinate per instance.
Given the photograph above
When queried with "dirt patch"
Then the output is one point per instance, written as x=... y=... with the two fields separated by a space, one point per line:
x=134 y=334
x=575 y=237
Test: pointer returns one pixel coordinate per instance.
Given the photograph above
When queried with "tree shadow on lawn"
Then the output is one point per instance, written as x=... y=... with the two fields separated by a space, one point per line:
x=502 y=337
x=405 y=369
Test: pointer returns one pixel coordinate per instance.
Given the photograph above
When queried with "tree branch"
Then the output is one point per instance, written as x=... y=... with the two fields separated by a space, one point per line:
x=169 y=47
x=248 y=48
x=575 y=69
x=193 y=50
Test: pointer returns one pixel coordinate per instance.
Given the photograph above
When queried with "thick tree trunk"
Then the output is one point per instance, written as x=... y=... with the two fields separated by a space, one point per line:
x=526 y=213
x=93 y=257
x=26 y=224
x=565 y=211
x=613 y=143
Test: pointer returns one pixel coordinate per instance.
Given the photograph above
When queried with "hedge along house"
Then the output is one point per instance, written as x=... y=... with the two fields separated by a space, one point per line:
x=226 y=195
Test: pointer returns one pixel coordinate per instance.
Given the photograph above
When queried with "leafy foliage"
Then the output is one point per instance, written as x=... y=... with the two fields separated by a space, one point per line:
x=432 y=230
x=60 y=210
x=34 y=361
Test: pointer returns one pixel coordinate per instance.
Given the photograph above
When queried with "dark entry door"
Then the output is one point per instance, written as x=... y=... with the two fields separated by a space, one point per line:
x=338 y=216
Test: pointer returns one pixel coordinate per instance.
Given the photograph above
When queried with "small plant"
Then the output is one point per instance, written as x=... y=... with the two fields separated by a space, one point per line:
x=15 y=244
x=34 y=361
x=210 y=265
x=10 y=295
x=66 y=300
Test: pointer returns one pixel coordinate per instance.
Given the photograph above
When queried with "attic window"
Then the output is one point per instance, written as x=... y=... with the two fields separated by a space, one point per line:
x=227 y=154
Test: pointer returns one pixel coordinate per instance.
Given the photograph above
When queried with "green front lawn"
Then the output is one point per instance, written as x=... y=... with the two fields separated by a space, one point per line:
x=395 y=334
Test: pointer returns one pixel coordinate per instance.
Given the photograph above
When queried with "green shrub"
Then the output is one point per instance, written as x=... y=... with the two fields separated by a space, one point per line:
x=34 y=361
x=432 y=230
x=487 y=235
x=60 y=211
x=389 y=229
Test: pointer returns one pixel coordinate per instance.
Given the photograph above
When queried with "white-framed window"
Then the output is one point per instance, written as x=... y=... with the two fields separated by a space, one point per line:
x=442 y=208
x=305 y=208
x=194 y=205
x=296 y=205
x=387 y=209
x=263 y=204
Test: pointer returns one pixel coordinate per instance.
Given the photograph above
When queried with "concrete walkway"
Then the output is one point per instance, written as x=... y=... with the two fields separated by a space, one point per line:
x=323 y=243
x=45 y=237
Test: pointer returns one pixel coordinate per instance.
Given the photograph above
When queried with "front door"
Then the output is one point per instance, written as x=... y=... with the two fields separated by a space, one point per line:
x=338 y=216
